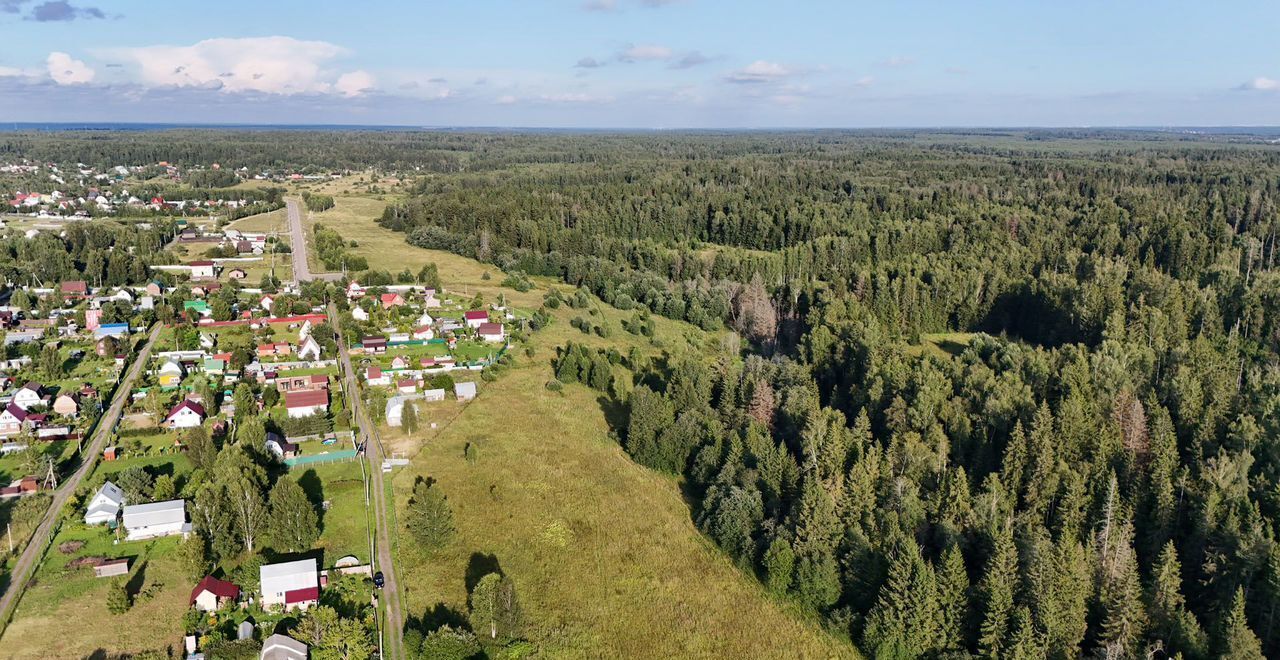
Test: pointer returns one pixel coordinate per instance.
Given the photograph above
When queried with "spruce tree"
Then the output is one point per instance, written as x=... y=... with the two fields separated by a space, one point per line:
x=1236 y=640
x=997 y=596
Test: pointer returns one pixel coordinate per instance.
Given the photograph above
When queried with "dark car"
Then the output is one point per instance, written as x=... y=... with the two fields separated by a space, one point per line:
x=378 y=580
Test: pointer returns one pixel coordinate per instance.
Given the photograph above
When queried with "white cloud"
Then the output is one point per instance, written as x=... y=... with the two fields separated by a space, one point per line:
x=66 y=70
x=1263 y=83
x=899 y=60
x=506 y=99
x=8 y=71
x=600 y=5
x=865 y=81
x=648 y=53
x=272 y=65
x=759 y=71
x=354 y=83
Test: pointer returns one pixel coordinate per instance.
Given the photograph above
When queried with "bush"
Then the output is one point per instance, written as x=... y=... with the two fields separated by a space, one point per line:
x=555 y=385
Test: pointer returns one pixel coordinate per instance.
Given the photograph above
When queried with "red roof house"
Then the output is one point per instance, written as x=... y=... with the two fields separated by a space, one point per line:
x=211 y=593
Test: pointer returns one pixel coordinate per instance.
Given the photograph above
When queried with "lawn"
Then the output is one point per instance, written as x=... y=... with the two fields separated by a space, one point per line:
x=344 y=527
x=265 y=223
x=944 y=345
x=62 y=600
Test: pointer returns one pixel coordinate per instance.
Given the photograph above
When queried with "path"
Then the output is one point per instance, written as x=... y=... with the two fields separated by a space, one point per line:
x=298 y=245
x=373 y=451
x=39 y=542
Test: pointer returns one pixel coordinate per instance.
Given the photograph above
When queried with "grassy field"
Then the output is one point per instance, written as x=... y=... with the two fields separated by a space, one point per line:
x=263 y=222
x=344 y=529
x=64 y=613
x=944 y=345
x=605 y=556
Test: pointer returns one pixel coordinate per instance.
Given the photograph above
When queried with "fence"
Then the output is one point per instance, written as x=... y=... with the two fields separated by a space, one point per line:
x=317 y=459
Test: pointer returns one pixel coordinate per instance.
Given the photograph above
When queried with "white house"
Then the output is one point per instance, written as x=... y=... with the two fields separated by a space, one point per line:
x=429 y=299
x=475 y=318
x=305 y=403
x=373 y=376
x=266 y=303
x=282 y=647
x=491 y=332
x=309 y=349
x=395 y=409
x=202 y=270
x=148 y=521
x=11 y=420
x=304 y=330
x=464 y=391
x=186 y=415
x=424 y=332
x=354 y=290
x=105 y=505
x=433 y=395
x=359 y=314
x=290 y=584
x=426 y=319
x=31 y=394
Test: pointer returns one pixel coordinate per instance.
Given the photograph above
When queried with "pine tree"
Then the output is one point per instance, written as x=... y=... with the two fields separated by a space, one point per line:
x=953 y=600
x=905 y=621
x=1236 y=640
x=1123 y=617
x=997 y=596
x=1171 y=621
x=779 y=564
x=429 y=517
x=293 y=524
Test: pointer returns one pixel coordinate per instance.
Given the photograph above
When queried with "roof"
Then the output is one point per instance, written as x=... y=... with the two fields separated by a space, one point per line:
x=201 y=263
x=17 y=412
x=476 y=315
x=373 y=372
x=306 y=398
x=289 y=576
x=281 y=647
x=111 y=492
x=188 y=404
x=155 y=513
x=464 y=388
x=374 y=340
x=75 y=286
x=490 y=329
x=301 y=595
x=219 y=588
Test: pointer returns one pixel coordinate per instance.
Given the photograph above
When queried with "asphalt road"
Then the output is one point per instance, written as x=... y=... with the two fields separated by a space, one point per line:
x=298 y=244
x=39 y=541
x=390 y=593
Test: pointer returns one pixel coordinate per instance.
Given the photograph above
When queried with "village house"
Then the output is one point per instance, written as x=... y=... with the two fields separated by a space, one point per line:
x=305 y=403
x=400 y=362
x=464 y=391
x=30 y=396
x=187 y=414
x=359 y=314
x=115 y=330
x=433 y=395
x=475 y=318
x=67 y=404
x=287 y=383
x=156 y=519
x=74 y=289
x=170 y=374
x=105 y=505
x=155 y=288
x=491 y=332
x=290 y=584
x=389 y=300
x=309 y=349
x=11 y=420
x=274 y=348
x=407 y=386
x=354 y=290
x=424 y=333
x=374 y=345
x=236 y=274
x=283 y=647
x=429 y=299
x=267 y=303
x=279 y=447
x=210 y=594
x=201 y=270
x=373 y=376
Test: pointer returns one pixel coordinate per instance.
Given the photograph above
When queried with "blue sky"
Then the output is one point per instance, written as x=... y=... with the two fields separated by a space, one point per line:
x=643 y=63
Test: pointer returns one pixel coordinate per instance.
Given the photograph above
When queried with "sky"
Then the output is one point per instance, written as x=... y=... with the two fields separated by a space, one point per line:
x=643 y=63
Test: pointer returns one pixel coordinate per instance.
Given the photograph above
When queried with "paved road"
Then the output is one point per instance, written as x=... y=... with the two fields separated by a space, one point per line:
x=373 y=451
x=106 y=424
x=298 y=243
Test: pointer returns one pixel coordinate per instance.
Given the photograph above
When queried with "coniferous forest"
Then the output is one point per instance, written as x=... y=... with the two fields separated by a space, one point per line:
x=1013 y=395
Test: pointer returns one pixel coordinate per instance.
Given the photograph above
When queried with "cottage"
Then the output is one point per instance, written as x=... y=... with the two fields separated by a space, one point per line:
x=187 y=414
x=407 y=386
x=105 y=505
x=210 y=594
x=113 y=568
x=424 y=333
x=105 y=346
x=359 y=314
x=236 y=274
x=306 y=402
x=374 y=376
x=200 y=307
x=474 y=319
x=279 y=447
x=203 y=270
x=309 y=349
x=29 y=396
x=429 y=299
x=215 y=366
x=74 y=289
x=400 y=362
x=155 y=288
x=433 y=395
x=267 y=303
x=169 y=375
x=148 y=521
x=354 y=290
x=464 y=391
x=282 y=647
x=491 y=332
x=111 y=330
x=375 y=345
x=426 y=320
x=274 y=348
x=67 y=404
x=389 y=300
x=290 y=584
x=11 y=420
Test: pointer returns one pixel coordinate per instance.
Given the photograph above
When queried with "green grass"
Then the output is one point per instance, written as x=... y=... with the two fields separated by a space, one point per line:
x=344 y=529
x=944 y=345
x=64 y=613
x=263 y=222
x=606 y=558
